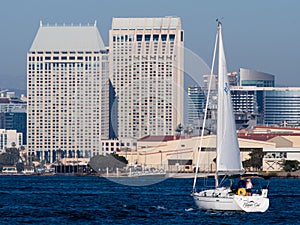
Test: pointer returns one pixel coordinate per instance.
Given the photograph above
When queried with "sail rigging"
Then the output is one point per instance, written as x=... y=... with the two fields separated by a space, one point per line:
x=205 y=114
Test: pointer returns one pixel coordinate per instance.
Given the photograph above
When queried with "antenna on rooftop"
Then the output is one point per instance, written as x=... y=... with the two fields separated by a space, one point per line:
x=41 y=23
x=95 y=23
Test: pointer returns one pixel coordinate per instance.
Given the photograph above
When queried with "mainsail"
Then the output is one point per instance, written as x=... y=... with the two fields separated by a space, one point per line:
x=228 y=152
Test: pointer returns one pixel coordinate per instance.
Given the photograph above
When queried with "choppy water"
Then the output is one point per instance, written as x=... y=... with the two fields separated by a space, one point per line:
x=94 y=200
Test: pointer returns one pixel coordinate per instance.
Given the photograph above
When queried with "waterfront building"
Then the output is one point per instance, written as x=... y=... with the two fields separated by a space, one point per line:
x=146 y=70
x=10 y=138
x=179 y=154
x=67 y=84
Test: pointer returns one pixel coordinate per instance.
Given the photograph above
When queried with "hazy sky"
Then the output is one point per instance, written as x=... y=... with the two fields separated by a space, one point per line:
x=263 y=35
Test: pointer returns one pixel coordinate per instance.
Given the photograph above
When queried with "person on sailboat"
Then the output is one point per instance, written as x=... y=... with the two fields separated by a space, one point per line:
x=242 y=187
x=249 y=187
x=242 y=183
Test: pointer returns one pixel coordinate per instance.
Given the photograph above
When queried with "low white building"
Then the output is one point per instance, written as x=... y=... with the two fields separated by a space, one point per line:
x=287 y=148
x=273 y=159
x=10 y=138
x=180 y=154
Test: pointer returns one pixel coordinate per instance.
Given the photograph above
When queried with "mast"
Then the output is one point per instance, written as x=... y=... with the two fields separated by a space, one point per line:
x=205 y=114
x=218 y=112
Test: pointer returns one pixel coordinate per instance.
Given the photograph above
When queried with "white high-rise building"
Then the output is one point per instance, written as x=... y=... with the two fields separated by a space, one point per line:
x=9 y=139
x=146 y=69
x=67 y=84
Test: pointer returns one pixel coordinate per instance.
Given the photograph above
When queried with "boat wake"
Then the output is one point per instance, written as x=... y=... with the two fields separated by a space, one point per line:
x=189 y=209
x=159 y=207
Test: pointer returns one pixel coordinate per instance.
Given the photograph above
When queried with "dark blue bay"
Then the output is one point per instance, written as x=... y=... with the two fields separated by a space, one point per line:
x=94 y=200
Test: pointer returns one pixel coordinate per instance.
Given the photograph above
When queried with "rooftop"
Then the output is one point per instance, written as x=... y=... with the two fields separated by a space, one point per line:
x=155 y=138
x=162 y=23
x=67 y=38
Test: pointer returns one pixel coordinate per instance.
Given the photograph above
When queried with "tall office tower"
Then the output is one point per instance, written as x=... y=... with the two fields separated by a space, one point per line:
x=146 y=69
x=196 y=105
x=67 y=84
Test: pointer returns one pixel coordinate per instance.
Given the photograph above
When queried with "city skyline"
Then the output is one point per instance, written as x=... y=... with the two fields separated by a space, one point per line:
x=259 y=35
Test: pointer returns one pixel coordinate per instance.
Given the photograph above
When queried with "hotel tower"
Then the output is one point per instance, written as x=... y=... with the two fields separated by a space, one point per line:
x=67 y=84
x=146 y=70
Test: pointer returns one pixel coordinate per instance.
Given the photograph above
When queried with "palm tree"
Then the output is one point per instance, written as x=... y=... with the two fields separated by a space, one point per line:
x=178 y=130
x=188 y=130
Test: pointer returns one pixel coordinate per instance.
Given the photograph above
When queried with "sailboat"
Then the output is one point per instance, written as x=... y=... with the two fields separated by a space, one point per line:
x=228 y=161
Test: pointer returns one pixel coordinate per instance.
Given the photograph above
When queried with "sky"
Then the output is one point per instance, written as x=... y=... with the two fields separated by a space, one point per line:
x=259 y=35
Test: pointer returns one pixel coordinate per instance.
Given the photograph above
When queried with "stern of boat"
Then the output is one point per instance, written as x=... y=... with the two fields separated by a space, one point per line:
x=254 y=203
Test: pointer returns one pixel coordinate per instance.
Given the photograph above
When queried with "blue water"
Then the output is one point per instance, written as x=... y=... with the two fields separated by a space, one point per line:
x=94 y=200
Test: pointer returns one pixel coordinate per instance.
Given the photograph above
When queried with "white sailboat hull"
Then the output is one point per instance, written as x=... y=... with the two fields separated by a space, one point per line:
x=222 y=199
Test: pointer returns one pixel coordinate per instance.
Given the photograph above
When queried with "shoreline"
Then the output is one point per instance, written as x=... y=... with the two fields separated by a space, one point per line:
x=281 y=174
x=278 y=174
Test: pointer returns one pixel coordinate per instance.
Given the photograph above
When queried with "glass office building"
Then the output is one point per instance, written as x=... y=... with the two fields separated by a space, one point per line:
x=278 y=106
x=282 y=106
x=196 y=104
x=14 y=121
x=255 y=78
x=13 y=115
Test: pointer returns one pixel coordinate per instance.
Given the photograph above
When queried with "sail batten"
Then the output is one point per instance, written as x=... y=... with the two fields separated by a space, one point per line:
x=228 y=152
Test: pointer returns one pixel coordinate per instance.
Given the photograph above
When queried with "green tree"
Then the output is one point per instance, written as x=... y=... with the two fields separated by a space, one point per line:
x=179 y=129
x=112 y=161
x=255 y=160
x=188 y=130
x=10 y=157
x=290 y=165
x=20 y=167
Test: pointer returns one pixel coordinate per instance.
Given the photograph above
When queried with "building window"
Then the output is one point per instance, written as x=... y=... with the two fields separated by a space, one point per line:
x=139 y=37
x=172 y=37
x=164 y=37
x=147 y=37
